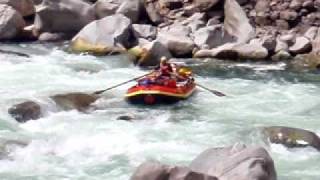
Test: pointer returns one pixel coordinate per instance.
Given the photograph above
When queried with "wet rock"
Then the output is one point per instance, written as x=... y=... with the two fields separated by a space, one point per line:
x=225 y=51
x=236 y=162
x=125 y=118
x=78 y=101
x=292 y=137
x=212 y=37
x=305 y=62
x=149 y=54
x=151 y=171
x=14 y=53
x=52 y=37
x=25 y=111
x=144 y=31
x=302 y=45
x=24 y=7
x=177 y=39
x=108 y=35
x=11 y=22
x=281 y=55
x=236 y=22
x=67 y=16
x=253 y=51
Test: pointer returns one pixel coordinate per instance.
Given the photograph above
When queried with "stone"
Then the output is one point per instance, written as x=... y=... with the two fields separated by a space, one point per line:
x=131 y=9
x=311 y=33
x=308 y=4
x=25 y=111
x=305 y=62
x=185 y=173
x=125 y=118
x=51 y=37
x=252 y=51
x=177 y=39
x=24 y=7
x=67 y=16
x=292 y=137
x=11 y=22
x=225 y=51
x=153 y=13
x=282 y=24
x=195 y=22
x=296 y=4
x=77 y=101
x=144 y=31
x=288 y=15
x=316 y=43
x=236 y=162
x=236 y=22
x=104 y=36
x=105 y=8
x=151 y=171
x=302 y=45
x=204 y=5
x=212 y=37
x=281 y=55
x=149 y=54
x=7 y=145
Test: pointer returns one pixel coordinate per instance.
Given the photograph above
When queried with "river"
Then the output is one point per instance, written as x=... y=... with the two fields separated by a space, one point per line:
x=79 y=146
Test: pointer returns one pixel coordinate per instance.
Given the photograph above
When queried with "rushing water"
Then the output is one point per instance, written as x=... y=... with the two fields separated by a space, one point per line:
x=77 y=146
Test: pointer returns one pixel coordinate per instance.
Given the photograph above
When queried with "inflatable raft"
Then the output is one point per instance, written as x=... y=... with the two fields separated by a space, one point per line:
x=161 y=90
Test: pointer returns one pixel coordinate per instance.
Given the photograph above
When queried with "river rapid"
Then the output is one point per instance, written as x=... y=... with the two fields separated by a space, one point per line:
x=69 y=145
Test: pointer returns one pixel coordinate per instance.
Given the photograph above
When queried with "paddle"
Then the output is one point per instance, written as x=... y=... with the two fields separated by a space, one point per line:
x=217 y=93
x=120 y=84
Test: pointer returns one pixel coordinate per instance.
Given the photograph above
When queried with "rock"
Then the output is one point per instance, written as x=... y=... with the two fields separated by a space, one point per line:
x=236 y=162
x=131 y=9
x=151 y=171
x=296 y=4
x=305 y=62
x=37 y=2
x=24 y=7
x=251 y=51
x=149 y=54
x=292 y=137
x=308 y=4
x=67 y=16
x=316 y=43
x=78 y=101
x=105 y=8
x=177 y=39
x=125 y=118
x=195 y=22
x=225 y=51
x=11 y=22
x=184 y=173
x=25 y=111
x=311 y=33
x=262 y=9
x=267 y=42
x=282 y=24
x=288 y=15
x=107 y=35
x=6 y=146
x=51 y=37
x=152 y=12
x=281 y=55
x=236 y=22
x=212 y=37
x=144 y=31
x=204 y=5
x=302 y=45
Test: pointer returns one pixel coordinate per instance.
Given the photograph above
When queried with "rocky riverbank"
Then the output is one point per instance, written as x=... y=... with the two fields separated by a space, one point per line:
x=229 y=29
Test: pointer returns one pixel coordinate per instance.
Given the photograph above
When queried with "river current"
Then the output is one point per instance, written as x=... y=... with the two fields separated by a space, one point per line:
x=70 y=145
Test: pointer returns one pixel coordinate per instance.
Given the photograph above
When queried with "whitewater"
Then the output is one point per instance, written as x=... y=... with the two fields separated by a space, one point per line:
x=71 y=145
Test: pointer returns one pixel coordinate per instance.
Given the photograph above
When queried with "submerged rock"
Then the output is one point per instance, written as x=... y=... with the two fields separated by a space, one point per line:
x=305 y=62
x=292 y=137
x=25 y=111
x=6 y=145
x=78 y=101
x=108 y=35
x=236 y=162
x=11 y=22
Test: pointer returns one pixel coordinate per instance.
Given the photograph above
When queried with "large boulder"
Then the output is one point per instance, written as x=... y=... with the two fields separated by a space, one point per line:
x=235 y=51
x=11 y=22
x=131 y=9
x=67 y=16
x=237 y=162
x=107 y=35
x=151 y=170
x=305 y=62
x=212 y=36
x=25 y=111
x=292 y=137
x=177 y=38
x=144 y=31
x=150 y=53
x=24 y=7
x=236 y=22
x=78 y=101
x=302 y=45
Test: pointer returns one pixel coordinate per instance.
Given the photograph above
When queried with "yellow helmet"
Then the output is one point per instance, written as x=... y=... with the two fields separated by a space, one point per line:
x=184 y=71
